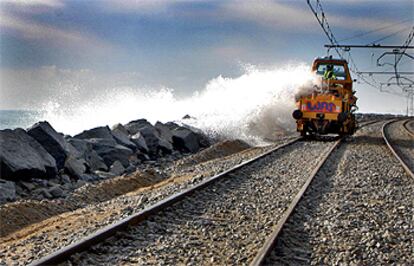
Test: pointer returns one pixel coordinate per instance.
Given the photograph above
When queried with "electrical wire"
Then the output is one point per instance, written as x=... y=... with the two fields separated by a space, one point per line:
x=405 y=45
x=388 y=36
x=375 y=30
x=323 y=22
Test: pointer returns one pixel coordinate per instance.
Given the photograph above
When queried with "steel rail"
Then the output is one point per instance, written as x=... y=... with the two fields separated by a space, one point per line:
x=388 y=142
x=364 y=124
x=405 y=125
x=101 y=235
x=368 y=123
x=271 y=240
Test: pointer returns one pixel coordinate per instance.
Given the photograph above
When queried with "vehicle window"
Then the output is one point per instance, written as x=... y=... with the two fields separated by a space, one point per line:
x=339 y=71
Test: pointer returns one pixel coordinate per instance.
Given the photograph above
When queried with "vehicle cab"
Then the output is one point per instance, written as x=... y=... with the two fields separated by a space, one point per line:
x=342 y=77
x=329 y=108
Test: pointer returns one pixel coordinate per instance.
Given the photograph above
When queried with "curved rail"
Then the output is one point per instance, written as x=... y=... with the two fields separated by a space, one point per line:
x=405 y=125
x=364 y=124
x=271 y=241
x=134 y=219
x=387 y=141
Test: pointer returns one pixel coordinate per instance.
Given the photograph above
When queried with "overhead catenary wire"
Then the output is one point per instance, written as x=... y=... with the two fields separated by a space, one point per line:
x=405 y=45
x=398 y=54
x=388 y=36
x=319 y=13
x=375 y=30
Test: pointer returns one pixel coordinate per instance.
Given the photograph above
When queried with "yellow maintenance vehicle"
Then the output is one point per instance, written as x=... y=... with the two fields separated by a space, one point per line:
x=329 y=107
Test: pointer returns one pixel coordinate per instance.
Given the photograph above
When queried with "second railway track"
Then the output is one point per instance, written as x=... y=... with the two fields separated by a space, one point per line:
x=400 y=140
x=358 y=210
x=409 y=126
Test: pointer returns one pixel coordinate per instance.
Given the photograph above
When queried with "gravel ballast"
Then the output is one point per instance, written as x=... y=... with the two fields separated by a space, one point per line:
x=350 y=229
x=358 y=211
x=42 y=238
x=224 y=223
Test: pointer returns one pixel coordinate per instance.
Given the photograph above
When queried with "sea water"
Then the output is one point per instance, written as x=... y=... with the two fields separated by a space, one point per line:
x=18 y=118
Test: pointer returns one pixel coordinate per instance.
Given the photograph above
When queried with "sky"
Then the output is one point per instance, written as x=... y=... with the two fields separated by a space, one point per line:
x=51 y=49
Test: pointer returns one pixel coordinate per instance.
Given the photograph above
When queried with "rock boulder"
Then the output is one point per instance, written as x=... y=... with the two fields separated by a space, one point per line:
x=97 y=132
x=7 y=191
x=147 y=131
x=117 y=168
x=165 y=146
x=110 y=151
x=139 y=141
x=164 y=131
x=53 y=142
x=85 y=151
x=151 y=137
x=134 y=126
x=75 y=167
x=122 y=138
x=185 y=140
x=21 y=156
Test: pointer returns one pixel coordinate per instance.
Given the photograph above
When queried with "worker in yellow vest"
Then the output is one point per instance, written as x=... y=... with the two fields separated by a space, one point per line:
x=329 y=73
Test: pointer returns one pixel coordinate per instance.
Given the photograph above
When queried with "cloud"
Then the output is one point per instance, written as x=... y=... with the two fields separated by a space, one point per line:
x=268 y=13
x=48 y=34
x=31 y=3
x=136 y=6
x=146 y=7
x=286 y=17
x=30 y=6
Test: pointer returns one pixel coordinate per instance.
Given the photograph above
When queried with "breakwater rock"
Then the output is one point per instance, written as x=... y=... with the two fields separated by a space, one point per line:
x=42 y=163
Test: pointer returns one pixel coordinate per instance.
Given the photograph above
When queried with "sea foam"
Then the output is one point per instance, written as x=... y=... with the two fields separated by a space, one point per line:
x=254 y=106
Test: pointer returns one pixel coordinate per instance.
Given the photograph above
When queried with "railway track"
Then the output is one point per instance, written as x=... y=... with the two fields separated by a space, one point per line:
x=271 y=241
x=256 y=182
x=400 y=143
x=292 y=241
x=268 y=246
x=409 y=126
